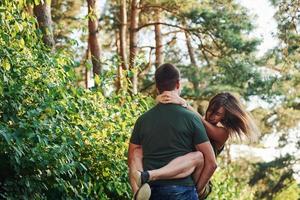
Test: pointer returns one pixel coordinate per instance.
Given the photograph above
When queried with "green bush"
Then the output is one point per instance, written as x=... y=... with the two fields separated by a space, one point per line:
x=230 y=182
x=57 y=141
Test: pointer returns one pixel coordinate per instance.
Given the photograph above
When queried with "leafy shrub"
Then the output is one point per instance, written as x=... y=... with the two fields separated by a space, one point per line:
x=57 y=141
x=230 y=182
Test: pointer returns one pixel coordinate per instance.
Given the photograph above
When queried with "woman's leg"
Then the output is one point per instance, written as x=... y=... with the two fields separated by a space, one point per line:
x=180 y=167
x=191 y=163
x=198 y=170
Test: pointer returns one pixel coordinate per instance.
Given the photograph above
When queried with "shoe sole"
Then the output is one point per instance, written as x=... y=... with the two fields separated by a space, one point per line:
x=143 y=193
x=137 y=177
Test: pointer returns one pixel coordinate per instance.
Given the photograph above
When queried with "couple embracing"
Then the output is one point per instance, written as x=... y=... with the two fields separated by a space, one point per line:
x=173 y=149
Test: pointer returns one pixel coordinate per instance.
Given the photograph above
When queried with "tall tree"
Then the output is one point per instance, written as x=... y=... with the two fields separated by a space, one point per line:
x=93 y=36
x=123 y=33
x=190 y=49
x=42 y=11
x=195 y=81
x=134 y=20
x=158 y=39
x=283 y=61
x=219 y=30
x=123 y=42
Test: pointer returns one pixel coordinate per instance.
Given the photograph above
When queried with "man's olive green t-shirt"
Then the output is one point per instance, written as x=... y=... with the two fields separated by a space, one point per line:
x=165 y=132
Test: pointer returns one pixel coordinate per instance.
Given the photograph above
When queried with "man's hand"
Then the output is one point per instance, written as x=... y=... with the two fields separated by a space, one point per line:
x=170 y=97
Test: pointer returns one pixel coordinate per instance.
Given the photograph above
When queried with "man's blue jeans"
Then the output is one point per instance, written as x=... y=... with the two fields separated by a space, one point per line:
x=173 y=192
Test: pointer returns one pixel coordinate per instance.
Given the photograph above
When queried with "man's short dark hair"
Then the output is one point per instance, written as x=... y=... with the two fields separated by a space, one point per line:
x=166 y=77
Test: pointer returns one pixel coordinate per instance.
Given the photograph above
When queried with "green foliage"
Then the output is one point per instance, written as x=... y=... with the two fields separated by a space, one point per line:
x=290 y=193
x=229 y=183
x=57 y=141
x=65 y=20
x=226 y=24
x=272 y=177
x=225 y=185
x=284 y=58
x=224 y=49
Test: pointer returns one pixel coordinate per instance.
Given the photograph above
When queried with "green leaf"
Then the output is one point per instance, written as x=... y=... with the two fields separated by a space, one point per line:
x=37 y=2
x=2 y=9
x=97 y=80
x=18 y=27
x=21 y=43
x=6 y=64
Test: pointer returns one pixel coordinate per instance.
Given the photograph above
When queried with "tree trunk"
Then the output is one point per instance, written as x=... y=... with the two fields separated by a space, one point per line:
x=43 y=15
x=190 y=49
x=118 y=82
x=193 y=61
x=158 y=41
x=93 y=40
x=134 y=19
x=123 y=28
x=123 y=43
x=86 y=78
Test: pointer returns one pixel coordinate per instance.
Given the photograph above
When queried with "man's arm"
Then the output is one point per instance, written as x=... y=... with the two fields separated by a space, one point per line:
x=210 y=164
x=135 y=155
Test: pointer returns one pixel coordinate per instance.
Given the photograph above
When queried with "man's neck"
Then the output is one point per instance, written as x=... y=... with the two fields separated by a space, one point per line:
x=176 y=91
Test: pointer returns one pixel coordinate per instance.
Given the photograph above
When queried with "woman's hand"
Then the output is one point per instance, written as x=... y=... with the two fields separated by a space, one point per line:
x=170 y=97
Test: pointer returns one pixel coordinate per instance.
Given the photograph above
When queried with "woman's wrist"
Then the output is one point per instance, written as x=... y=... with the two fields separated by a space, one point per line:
x=184 y=104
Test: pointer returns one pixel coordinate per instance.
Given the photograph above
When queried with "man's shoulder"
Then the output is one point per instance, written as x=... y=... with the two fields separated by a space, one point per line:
x=180 y=112
x=191 y=117
x=186 y=112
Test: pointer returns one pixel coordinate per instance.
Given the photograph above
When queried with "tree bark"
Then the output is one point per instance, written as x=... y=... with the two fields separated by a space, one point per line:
x=165 y=24
x=123 y=28
x=86 y=74
x=93 y=40
x=191 y=52
x=118 y=82
x=123 y=43
x=133 y=42
x=43 y=15
x=190 y=49
x=158 y=41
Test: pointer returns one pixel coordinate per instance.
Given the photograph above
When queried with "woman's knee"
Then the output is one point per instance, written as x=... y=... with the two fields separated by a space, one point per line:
x=198 y=157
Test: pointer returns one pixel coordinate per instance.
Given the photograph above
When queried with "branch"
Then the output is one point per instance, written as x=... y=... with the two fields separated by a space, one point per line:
x=203 y=47
x=168 y=43
x=145 y=7
x=214 y=40
x=162 y=23
x=147 y=86
x=148 y=66
x=142 y=47
x=178 y=31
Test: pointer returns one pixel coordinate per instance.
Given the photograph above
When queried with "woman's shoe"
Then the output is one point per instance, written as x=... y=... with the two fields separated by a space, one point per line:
x=206 y=192
x=141 y=177
x=143 y=193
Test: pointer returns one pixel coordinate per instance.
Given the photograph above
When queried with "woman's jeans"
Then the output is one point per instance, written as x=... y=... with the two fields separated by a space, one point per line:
x=173 y=192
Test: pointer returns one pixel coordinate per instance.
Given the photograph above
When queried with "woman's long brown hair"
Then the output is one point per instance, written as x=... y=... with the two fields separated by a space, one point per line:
x=236 y=119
